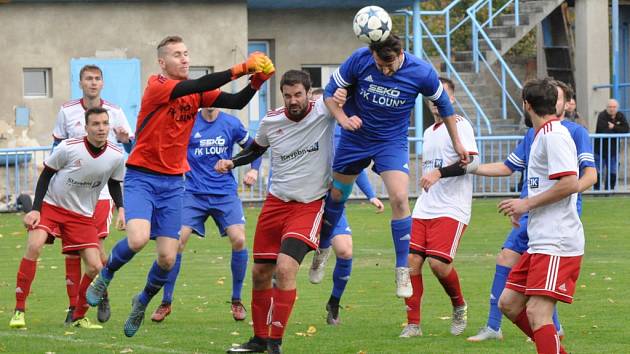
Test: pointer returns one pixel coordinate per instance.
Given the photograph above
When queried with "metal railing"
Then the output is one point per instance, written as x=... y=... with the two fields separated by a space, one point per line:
x=477 y=33
x=20 y=169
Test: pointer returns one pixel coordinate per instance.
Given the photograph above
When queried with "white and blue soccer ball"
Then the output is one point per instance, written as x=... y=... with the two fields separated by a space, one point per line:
x=372 y=24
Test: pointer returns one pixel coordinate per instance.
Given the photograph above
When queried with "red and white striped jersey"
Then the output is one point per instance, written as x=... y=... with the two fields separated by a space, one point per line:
x=71 y=124
x=554 y=229
x=81 y=175
x=301 y=152
x=448 y=197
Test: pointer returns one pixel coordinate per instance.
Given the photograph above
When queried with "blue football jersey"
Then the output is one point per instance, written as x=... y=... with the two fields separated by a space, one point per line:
x=210 y=142
x=384 y=103
x=519 y=158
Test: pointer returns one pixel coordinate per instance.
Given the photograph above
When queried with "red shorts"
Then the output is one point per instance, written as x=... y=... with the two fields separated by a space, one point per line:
x=103 y=216
x=279 y=219
x=437 y=237
x=76 y=231
x=542 y=274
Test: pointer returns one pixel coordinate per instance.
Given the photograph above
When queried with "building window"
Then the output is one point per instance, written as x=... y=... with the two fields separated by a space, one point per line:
x=320 y=74
x=195 y=72
x=37 y=82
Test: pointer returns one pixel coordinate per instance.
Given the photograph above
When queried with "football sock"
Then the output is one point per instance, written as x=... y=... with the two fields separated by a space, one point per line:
x=401 y=234
x=283 y=301
x=238 y=266
x=547 y=340
x=498 y=284
x=332 y=213
x=450 y=283
x=82 y=305
x=556 y=320
x=73 y=279
x=156 y=278
x=413 y=303
x=25 y=276
x=341 y=275
x=261 y=303
x=169 y=287
x=522 y=322
x=120 y=255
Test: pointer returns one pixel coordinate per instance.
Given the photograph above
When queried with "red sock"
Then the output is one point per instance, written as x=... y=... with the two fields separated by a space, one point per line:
x=450 y=283
x=414 y=302
x=82 y=305
x=547 y=341
x=25 y=276
x=73 y=279
x=261 y=303
x=283 y=301
x=522 y=322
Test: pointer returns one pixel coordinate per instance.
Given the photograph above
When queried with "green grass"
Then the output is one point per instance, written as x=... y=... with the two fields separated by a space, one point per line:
x=372 y=318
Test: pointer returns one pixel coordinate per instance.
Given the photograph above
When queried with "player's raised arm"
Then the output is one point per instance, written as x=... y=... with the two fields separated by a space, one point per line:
x=257 y=62
x=241 y=99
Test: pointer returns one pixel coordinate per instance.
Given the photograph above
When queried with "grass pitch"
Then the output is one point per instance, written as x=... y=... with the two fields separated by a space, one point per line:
x=372 y=317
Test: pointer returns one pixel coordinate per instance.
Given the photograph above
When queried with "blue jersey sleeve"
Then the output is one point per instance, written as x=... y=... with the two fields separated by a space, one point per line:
x=584 y=148
x=364 y=185
x=433 y=90
x=242 y=138
x=516 y=159
x=345 y=75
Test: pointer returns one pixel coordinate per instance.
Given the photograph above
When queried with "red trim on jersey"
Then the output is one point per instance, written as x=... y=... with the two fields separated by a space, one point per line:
x=105 y=102
x=437 y=125
x=546 y=127
x=473 y=153
x=71 y=103
x=85 y=108
x=113 y=146
x=73 y=141
x=275 y=112
x=100 y=152
x=562 y=174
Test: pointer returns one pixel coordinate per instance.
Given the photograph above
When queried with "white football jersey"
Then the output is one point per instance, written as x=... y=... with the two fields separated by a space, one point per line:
x=554 y=229
x=448 y=197
x=81 y=175
x=71 y=124
x=301 y=152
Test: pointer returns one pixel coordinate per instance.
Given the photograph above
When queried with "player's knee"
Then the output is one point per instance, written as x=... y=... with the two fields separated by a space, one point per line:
x=507 y=258
x=341 y=191
x=344 y=253
x=414 y=261
x=166 y=261
x=439 y=268
x=92 y=268
x=261 y=275
x=238 y=242
x=399 y=202
x=33 y=250
x=137 y=243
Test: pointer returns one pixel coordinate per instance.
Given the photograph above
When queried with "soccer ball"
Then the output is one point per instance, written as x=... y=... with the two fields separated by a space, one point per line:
x=372 y=24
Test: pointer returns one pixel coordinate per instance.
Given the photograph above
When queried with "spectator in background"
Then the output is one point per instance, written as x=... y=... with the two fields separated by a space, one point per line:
x=571 y=113
x=609 y=121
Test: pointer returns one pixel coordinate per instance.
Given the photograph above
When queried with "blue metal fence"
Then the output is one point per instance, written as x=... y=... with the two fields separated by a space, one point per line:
x=20 y=168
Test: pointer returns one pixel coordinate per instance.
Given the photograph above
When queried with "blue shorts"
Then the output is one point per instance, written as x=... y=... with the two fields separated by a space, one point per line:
x=226 y=210
x=156 y=198
x=342 y=227
x=353 y=155
x=517 y=239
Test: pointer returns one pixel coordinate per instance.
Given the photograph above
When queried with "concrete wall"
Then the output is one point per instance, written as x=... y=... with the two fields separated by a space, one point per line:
x=49 y=35
x=592 y=58
x=302 y=37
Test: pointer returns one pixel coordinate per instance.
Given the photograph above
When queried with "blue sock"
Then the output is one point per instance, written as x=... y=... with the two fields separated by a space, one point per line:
x=556 y=320
x=401 y=234
x=332 y=213
x=498 y=284
x=341 y=275
x=169 y=287
x=239 y=268
x=156 y=278
x=120 y=255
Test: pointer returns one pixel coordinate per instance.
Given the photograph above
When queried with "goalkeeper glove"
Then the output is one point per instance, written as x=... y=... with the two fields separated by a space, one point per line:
x=254 y=63
x=258 y=79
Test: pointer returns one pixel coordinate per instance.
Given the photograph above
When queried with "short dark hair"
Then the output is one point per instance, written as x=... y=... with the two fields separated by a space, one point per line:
x=294 y=77
x=542 y=95
x=389 y=49
x=93 y=111
x=567 y=91
x=90 y=67
x=166 y=41
x=448 y=82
